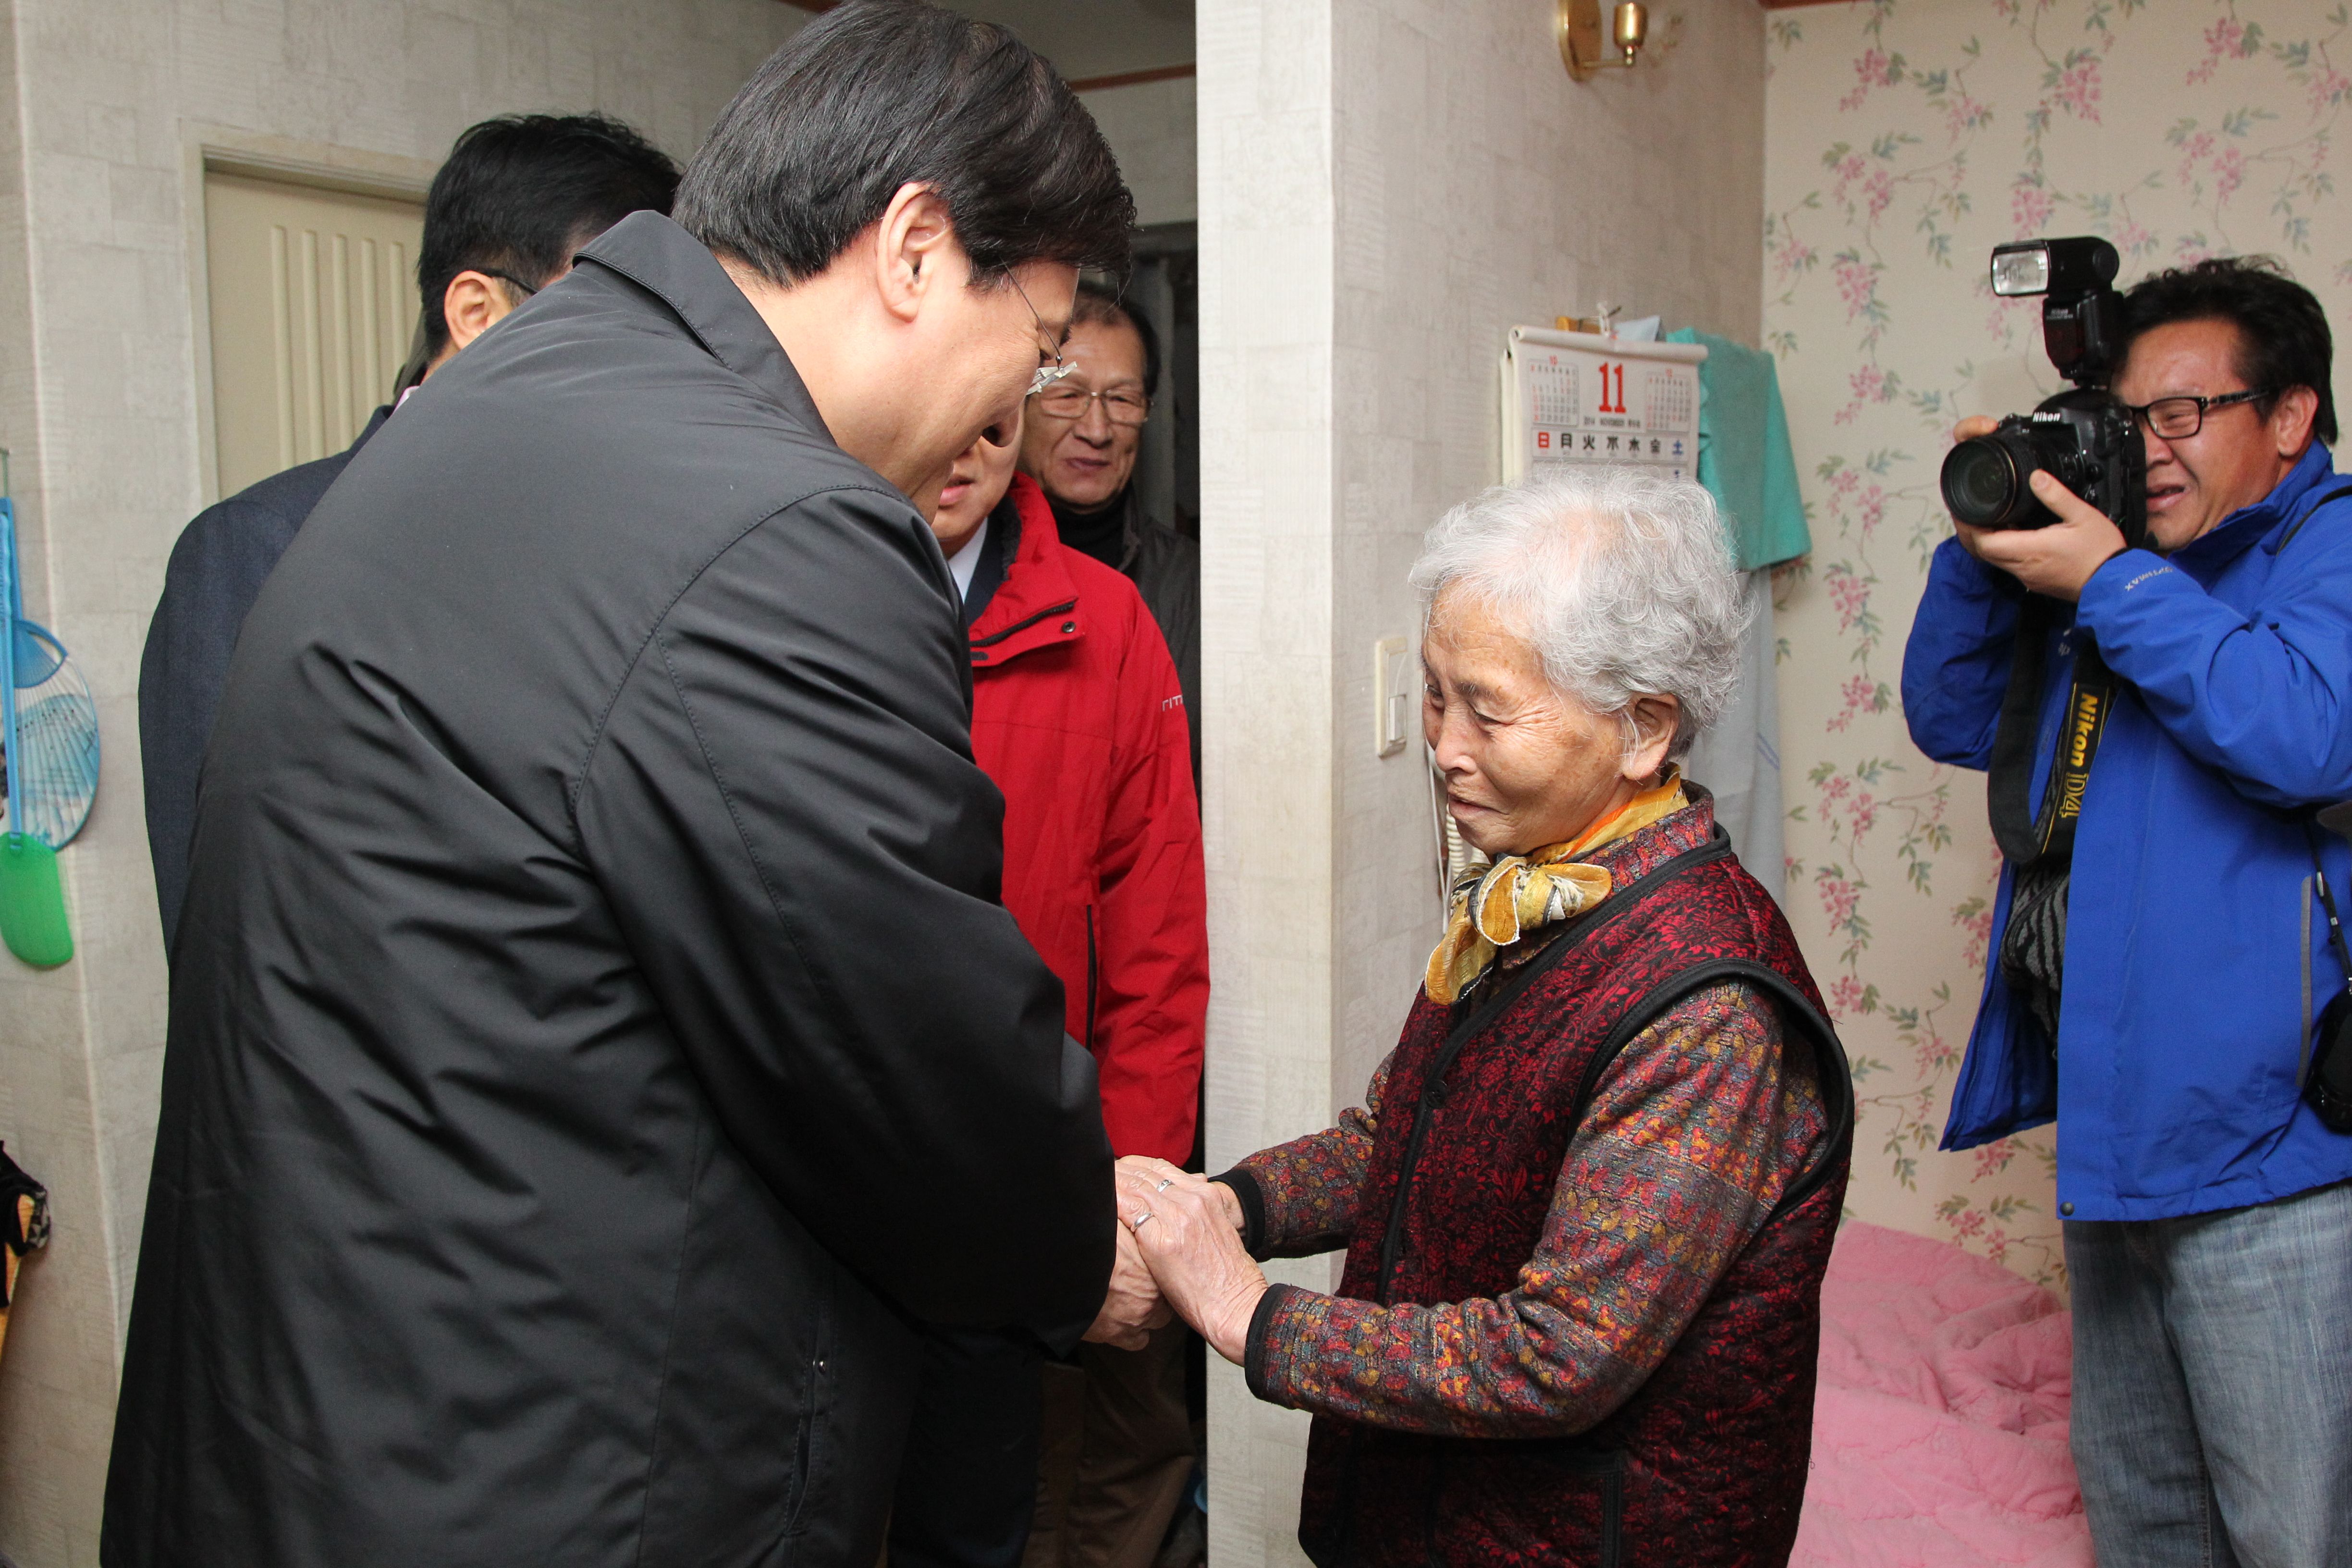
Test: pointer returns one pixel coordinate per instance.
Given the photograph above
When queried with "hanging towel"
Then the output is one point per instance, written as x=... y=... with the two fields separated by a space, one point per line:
x=1744 y=457
x=1739 y=758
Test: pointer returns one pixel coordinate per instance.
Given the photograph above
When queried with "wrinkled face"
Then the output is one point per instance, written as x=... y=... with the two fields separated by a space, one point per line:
x=1083 y=463
x=1524 y=766
x=2236 y=458
x=976 y=481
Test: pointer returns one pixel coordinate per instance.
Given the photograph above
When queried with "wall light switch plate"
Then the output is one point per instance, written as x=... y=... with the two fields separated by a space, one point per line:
x=1392 y=695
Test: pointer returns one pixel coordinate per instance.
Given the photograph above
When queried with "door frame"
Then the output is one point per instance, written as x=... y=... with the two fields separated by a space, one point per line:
x=320 y=165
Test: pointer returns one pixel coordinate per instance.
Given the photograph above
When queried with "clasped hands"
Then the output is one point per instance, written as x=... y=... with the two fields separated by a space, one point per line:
x=1179 y=1250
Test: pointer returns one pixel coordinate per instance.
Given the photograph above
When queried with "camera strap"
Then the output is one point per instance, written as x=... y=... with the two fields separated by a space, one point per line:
x=2325 y=1072
x=2027 y=835
x=2328 y=902
x=2337 y=494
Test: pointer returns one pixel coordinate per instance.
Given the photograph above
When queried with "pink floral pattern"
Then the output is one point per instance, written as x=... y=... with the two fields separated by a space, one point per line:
x=2178 y=132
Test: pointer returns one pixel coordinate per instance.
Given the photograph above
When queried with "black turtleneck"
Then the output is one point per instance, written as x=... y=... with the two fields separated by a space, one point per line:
x=1102 y=533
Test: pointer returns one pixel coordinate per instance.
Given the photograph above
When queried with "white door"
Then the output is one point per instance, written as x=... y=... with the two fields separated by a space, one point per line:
x=314 y=303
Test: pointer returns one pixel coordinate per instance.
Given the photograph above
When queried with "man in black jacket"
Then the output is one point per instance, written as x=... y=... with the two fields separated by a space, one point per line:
x=595 y=1037
x=515 y=199
x=1080 y=445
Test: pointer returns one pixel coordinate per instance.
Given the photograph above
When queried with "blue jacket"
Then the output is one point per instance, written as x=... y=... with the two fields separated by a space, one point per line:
x=2183 y=1023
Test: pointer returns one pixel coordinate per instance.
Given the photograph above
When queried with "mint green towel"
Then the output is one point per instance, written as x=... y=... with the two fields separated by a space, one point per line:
x=1744 y=459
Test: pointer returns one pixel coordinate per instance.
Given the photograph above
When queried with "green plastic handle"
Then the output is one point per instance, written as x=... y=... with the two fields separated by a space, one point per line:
x=32 y=902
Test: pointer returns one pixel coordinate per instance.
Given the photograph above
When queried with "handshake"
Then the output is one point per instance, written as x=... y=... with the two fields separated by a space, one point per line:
x=1180 y=1254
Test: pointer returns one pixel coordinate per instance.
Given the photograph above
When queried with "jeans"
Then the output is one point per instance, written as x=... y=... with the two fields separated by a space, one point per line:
x=968 y=1479
x=2212 y=1418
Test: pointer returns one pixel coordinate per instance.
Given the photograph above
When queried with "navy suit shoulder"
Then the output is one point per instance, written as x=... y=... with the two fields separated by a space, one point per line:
x=215 y=572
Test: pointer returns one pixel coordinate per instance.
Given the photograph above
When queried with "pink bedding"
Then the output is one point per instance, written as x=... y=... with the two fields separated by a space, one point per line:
x=1939 y=1436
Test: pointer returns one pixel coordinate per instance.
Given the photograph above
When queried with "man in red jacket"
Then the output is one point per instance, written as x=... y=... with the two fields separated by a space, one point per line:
x=1078 y=716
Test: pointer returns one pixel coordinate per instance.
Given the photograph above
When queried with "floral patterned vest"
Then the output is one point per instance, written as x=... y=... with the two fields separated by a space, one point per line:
x=1705 y=1464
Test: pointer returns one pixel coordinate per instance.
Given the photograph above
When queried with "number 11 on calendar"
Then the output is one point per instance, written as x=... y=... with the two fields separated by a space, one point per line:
x=1607 y=406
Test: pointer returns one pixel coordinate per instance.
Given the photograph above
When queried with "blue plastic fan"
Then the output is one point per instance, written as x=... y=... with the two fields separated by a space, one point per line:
x=56 y=741
x=51 y=755
x=31 y=898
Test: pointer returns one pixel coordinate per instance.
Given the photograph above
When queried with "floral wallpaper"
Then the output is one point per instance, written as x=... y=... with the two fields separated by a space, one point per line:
x=1907 y=138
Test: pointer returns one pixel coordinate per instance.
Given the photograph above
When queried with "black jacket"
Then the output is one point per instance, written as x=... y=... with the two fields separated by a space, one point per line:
x=1165 y=566
x=594 y=1032
x=215 y=573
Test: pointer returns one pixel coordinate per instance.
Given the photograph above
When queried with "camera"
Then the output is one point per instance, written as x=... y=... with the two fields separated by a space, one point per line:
x=2085 y=437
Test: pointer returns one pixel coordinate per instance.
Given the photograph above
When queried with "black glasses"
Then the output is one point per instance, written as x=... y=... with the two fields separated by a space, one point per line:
x=2177 y=418
x=1120 y=406
x=1047 y=375
x=528 y=288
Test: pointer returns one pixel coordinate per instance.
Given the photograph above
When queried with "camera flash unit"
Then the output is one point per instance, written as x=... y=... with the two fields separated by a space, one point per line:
x=2082 y=315
x=2021 y=269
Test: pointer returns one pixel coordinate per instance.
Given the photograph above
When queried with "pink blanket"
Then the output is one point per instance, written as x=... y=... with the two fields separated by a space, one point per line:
x=1940 y=1436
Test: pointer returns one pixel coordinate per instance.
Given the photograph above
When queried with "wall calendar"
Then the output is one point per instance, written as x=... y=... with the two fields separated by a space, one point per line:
x=1576 y=397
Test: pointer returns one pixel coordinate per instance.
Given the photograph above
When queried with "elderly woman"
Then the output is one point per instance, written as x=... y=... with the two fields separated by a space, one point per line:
x=1590 y=1196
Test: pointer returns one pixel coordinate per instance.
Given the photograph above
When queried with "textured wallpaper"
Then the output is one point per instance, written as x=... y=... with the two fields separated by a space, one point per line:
x=1904 y=139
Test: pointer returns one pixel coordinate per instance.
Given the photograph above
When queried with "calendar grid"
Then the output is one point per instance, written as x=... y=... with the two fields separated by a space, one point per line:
x=1602 y=406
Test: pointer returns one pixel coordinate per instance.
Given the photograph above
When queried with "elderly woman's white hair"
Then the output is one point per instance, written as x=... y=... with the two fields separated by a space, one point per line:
x=1622 y=581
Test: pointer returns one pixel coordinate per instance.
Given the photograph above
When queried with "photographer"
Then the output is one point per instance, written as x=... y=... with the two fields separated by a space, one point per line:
x=2155 y=990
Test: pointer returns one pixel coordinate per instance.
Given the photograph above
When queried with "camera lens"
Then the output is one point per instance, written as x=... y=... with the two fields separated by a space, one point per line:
x=1984 y=484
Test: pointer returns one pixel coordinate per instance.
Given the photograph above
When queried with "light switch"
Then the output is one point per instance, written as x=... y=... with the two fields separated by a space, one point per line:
x=1394 y=693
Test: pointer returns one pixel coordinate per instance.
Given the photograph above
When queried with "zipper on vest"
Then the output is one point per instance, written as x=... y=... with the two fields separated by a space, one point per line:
x=1613 y=1515
x=1433 y=1085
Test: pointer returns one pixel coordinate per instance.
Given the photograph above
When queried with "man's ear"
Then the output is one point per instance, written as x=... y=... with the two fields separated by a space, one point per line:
x=2291 y=420
x=912 y=240
x=472 y=304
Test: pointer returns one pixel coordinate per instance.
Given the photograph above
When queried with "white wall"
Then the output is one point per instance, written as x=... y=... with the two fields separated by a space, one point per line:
x=1150 y=126
x=1386 y=187
x=105 y=101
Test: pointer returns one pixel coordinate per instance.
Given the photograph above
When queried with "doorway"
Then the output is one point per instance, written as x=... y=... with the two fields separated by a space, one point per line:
x=1165 y=289
x=312 y=296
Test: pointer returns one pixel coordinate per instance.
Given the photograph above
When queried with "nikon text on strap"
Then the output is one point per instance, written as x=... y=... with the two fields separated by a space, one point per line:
x=2026 y=835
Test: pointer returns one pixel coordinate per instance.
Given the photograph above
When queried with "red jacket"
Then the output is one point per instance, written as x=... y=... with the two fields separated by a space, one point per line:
x=1077 y=716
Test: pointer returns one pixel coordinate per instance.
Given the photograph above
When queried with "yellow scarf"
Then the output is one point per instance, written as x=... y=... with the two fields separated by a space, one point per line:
x=1494 y=906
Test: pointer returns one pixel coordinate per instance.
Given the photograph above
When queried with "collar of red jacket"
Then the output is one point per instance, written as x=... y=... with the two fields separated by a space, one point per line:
x=1036 y=605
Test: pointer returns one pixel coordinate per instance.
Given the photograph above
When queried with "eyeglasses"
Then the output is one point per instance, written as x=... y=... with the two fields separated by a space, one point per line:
x=2177 y=418
x=1120 y=406
x=528 y=288
x=1047 y=375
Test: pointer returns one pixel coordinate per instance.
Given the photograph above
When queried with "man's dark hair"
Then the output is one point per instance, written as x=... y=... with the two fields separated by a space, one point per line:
x=2281 y=332
x=1100 y=305
x=877 y=94
x=522 y=194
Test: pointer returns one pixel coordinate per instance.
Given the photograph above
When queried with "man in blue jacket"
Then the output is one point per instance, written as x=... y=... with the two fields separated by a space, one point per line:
x=2208 y=1212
